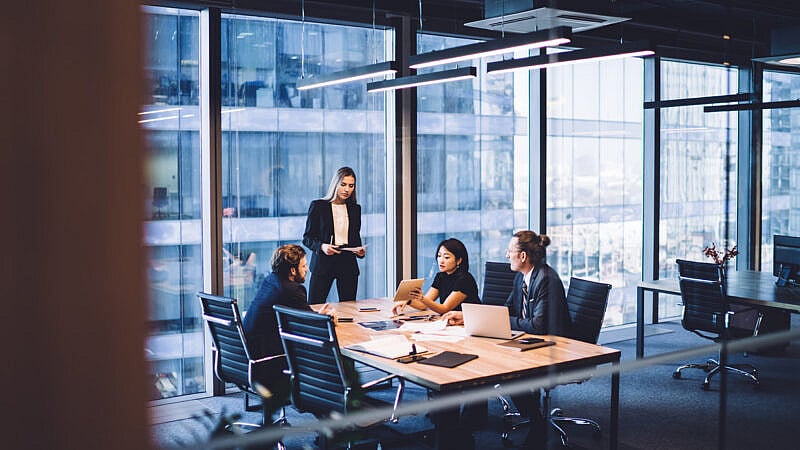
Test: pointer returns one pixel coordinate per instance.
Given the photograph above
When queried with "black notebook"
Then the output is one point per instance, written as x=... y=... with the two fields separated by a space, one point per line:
x=448 y=359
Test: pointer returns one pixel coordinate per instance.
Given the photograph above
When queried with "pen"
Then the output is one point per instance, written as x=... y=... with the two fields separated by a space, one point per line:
x=413 y=349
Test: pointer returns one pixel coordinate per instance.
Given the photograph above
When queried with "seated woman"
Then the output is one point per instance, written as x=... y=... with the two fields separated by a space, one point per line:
x=452 y=286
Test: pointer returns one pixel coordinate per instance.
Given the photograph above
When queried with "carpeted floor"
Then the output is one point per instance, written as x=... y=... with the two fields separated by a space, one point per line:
x=656 y=411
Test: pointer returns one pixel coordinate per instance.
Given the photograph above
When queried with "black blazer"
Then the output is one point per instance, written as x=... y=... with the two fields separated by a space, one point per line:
x=547 y=305
x=319 y=230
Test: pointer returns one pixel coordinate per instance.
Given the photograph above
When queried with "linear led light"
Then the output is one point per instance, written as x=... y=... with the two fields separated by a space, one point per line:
x=559 y=59
x=537 y=39
x=460 y=73
x=753 y=106
x=346 y=76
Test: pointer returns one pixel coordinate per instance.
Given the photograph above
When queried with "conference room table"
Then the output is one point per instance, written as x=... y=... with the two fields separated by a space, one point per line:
x=495 y=364
x=745 y=287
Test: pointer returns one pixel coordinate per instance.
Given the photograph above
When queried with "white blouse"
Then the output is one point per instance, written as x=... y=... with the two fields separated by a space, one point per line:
x=341 y=222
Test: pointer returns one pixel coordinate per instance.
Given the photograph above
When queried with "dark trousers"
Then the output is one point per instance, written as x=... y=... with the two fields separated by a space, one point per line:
x=529 y=405
x=454 y=426
x=342 y=268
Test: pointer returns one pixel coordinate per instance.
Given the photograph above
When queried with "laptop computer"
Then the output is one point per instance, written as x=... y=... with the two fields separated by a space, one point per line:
x=488 y=321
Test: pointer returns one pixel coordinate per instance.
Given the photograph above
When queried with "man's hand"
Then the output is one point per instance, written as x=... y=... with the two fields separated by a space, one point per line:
x=327 y=309
x=454 y=318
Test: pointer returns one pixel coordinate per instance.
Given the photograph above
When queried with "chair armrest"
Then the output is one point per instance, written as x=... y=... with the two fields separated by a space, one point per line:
x=373 y=383
x=269 y=358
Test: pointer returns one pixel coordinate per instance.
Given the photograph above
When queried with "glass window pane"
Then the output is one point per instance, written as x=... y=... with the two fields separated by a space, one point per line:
x=780 y=208
x=594 y=177
x=281 y=146
x=472 y=162
x=698 y=168
x=170 y=118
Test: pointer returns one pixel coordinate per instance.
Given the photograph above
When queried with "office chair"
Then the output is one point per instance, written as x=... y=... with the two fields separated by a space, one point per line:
x=160 y=200
x=706 y=310
x=498 y=281
x=232 y=361
x=322 y=380
x=586 y=302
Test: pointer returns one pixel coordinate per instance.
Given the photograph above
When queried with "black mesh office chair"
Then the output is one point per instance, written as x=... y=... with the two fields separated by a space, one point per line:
x=706 y=310
x=232 y=361
x=586 y=302
x=160 y=200
x=322 y=380
x=498 y=280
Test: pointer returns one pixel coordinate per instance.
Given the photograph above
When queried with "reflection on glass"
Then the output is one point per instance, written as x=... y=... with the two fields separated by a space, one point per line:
x=594 y=177
x=780 y=208
x=280 y=146
x=170 y=120
x=472 y=163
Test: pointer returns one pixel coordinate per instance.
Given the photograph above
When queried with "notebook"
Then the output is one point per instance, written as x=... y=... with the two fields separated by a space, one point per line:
x=448 y=359
x=487 y=321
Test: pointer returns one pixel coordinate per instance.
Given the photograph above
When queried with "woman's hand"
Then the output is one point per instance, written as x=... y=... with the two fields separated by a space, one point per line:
x=454 y=318
x=416 y=294
x=330 y=250
x=398 y=308
x=361 y=251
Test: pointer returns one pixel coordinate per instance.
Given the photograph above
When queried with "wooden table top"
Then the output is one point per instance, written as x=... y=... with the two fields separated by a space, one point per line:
x=743 y=286
x=494 y=363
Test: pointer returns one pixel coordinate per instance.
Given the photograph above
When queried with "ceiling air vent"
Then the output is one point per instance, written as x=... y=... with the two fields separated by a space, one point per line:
x=543 y=19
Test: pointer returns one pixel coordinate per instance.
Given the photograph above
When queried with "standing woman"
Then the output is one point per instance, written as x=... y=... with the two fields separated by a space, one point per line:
x=333 y=234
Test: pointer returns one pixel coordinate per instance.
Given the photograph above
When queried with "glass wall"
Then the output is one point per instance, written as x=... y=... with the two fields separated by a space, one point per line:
x=594 y=177
x=472 y=162
x=698 y=165
x=281 y=146
x=780 y=209
x=170 y=118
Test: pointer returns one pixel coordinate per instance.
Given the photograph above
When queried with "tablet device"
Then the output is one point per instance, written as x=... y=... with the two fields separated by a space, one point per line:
x=406 y=286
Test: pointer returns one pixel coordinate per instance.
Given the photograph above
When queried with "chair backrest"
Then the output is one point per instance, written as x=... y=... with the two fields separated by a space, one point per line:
x=498 y=281
x=586 y=302
x=320 y=382
x=703 y=296
x=160 y=196
x=232 y=362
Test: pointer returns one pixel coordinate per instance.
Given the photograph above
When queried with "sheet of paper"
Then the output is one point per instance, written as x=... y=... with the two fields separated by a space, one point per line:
x=423 y=326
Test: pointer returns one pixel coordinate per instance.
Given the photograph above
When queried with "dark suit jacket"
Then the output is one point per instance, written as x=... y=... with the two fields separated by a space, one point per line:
x=547 y=306
x=260 y=325
x=319 y=230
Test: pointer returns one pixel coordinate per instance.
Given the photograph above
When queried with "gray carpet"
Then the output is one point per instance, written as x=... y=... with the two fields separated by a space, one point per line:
x=656 y=411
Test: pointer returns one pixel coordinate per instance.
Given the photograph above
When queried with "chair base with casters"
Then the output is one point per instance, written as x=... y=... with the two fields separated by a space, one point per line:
x=712 y=367
x=554 y=417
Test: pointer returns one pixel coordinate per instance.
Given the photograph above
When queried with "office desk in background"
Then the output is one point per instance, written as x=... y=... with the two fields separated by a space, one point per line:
x=745 y=287
x=494 y=363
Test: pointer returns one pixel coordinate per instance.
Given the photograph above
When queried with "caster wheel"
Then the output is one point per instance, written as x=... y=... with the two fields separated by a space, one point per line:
x=676 y=375
x=706 y=386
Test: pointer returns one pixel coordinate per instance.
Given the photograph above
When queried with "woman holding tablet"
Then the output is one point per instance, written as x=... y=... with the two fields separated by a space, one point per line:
x=333 y=234
x=452 y=286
